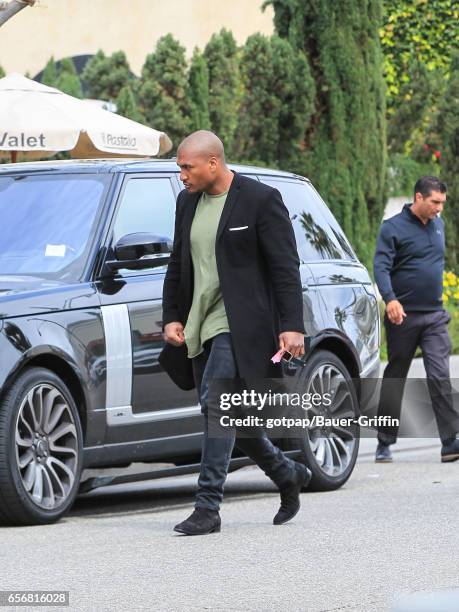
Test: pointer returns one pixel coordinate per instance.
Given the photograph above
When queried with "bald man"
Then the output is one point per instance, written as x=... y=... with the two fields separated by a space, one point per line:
x=232 y=294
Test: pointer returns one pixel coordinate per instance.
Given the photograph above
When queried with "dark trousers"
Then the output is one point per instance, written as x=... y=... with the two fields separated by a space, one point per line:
x=218 y=362
x=429 y=331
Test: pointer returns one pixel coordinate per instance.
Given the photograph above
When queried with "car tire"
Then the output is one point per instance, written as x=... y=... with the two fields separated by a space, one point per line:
x=41 y=449
x=328 y=452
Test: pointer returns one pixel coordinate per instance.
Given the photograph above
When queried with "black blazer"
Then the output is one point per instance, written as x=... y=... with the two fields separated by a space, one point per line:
x=258 y=267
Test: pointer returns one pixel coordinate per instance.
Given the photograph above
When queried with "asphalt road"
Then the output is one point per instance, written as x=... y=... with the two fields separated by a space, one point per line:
x=391 y=530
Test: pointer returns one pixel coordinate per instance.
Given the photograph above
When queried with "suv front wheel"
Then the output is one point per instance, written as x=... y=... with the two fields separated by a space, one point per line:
x=41 y=443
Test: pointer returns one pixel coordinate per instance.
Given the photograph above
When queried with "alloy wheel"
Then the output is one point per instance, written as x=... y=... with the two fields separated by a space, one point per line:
x=332 y=445
x=46 y=446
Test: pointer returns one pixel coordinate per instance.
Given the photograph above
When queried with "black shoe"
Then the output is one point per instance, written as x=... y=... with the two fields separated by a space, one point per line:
x=290 y=495
x=383 y=454
x=200 y=522
x=450 y=450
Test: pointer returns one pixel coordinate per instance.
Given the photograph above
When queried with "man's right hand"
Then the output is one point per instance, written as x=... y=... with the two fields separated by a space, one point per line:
x=173 y=333
x=395 y=312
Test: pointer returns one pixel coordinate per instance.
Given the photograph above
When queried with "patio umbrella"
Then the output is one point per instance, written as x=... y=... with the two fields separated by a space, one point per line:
x=38 y=121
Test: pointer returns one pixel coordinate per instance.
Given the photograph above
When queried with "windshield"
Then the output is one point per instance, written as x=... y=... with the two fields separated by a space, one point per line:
x=47 y=223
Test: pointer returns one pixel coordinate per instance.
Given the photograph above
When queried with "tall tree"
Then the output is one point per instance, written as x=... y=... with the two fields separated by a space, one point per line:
x=447 y=128
x=346 y=146
x=164 y=87
x=9 y=9
x=49 y=75
x=126 y=105
x=68 y=80
x=277 y=103
x=198 y=80
x=258 y=137
x=104 y=76
x=294 y=86
x=225 y=92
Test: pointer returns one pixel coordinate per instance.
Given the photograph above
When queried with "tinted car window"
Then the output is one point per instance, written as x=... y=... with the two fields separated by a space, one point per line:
x=147 y=205
x=317 y=233
x=347 y=250
x=47 y=223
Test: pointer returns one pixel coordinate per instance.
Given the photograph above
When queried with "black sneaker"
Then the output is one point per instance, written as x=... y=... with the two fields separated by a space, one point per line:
x=383 y=454
x=450 y=450
x=290 y=495
x=201 y=522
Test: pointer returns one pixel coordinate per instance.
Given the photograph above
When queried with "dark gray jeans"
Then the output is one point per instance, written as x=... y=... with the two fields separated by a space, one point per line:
x=429 y=331
x=218 y=362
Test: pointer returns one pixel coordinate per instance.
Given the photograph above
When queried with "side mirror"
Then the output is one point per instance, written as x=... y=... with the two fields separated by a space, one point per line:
x=139 y=251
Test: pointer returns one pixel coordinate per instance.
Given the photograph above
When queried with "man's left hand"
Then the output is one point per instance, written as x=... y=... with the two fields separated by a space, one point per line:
x=292 y=342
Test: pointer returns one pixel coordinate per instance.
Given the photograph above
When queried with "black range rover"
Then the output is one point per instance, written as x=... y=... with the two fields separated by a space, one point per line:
x=83 y=252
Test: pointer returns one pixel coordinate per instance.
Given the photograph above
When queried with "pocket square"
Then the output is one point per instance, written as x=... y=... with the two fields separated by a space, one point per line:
x=235 y=229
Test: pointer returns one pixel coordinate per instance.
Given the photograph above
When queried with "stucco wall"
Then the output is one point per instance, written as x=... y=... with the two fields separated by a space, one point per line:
x=76 y=27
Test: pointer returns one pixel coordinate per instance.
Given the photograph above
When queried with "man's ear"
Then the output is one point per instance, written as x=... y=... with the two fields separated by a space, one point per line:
x=213 y=162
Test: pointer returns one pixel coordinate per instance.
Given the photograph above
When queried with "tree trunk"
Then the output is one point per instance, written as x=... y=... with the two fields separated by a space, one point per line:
x=9 y=9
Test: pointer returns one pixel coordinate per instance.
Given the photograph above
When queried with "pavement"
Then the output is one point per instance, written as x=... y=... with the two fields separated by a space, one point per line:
x=392 y=530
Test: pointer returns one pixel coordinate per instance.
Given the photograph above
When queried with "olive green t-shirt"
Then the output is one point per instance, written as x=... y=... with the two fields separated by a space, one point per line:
x=207 y=316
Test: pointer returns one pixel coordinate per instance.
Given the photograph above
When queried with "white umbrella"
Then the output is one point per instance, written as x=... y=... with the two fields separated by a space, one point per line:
x=38 y=121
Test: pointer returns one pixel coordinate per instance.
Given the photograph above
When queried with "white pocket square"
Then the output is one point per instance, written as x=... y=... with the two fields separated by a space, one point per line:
x=235 y=229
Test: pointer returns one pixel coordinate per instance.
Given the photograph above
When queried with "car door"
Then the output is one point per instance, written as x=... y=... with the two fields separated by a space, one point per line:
x=141 y=399
x=338 y=284
x=290 y=189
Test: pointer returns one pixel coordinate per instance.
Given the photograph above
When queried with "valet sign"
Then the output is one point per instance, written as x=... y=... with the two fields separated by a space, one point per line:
x=14 y=141
x=116 y=141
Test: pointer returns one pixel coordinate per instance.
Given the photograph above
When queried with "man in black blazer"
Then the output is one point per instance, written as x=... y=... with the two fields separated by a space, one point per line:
x=232 y=294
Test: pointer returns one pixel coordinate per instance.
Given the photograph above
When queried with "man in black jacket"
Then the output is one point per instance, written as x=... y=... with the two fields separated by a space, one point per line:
x=408 y=265
x=233 y=294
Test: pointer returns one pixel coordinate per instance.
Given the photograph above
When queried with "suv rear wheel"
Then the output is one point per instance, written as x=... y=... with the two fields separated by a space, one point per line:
x=330 y=452
x=41 y=443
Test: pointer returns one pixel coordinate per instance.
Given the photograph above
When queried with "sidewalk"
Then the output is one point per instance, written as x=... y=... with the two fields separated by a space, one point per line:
x=368 y=445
